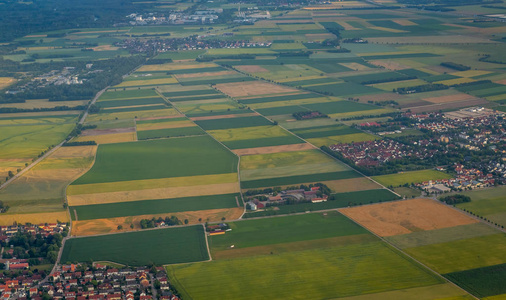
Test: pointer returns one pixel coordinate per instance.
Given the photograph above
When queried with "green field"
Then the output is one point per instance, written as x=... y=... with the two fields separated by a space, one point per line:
x=233 y=123
x=410 y=177
x=169 y=132
x=326 y=273
x=151 y=207
x=159 y=246
x=489 y=203
x=289 y=229
x=463 y=254
x=119 y=93
x=297 y=179
x=324 y=131
x=130 y=102
x=481 y=282
x=159 y=159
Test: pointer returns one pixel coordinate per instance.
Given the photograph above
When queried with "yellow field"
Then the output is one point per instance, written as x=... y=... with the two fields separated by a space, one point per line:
x=132 y=114
x=347 y=26
x=147 y=82
x=388 y=86
x=153 y=194
x=100 y=226
x=498 y=297
x=293 y=102
x=151 y=184
x=355 y=66
x=299 y=78
x=405 y=22
x=6 y=81
x=37 y=218
x=456 y=81
x=248 y=133
x=497 y=97
x=273 y=160
x=361 y=113
x=342 y=139
x=387 y=29
x=108 y=138
x=471 y=73
x=174 y=66
x=165 y=125
x=181 y=88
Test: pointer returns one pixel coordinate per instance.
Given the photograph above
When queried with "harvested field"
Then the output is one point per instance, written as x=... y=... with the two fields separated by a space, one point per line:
x=77 y=151
x=351 y=185
x=273 y=149
x=153 y=194
x=101 y=226
x=355 y=66
x=449 y=105
x=231 y=116
x=95 y=132
x=161 y=117
x=401 y=217
x=450 y=98
x=252 y=88
x=405 y=22
x=380 y=97
x=165 y=125
x=135 y=185
x=35 y=218
x=252 y=69
x=108 y=138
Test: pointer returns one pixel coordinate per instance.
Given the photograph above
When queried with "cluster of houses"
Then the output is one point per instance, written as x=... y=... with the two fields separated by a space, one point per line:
x=6 y=232
x=186 y=43
x=466 y=179
x=314 y=195
x=374 y=153
x=205 y=16
x=105 y=283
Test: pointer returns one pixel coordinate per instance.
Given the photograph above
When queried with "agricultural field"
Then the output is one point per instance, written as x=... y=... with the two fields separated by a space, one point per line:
x=411 y=177
x=489 y=203
x=162 y=246
x=277 y=248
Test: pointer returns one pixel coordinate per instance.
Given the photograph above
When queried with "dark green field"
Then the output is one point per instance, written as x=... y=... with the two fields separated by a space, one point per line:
x=252 y=184
x=342 y=200
x=150 y=207
x=119 y=93
x=169 y=132
x=141 y=108
x=343 y=89
x=282 y=110
x=280 y=98
x=289 y=229
x=160 y=246
x=163 y=158
x=339 y=107
x=233 y=123
x=193 y=98
x=481 y=282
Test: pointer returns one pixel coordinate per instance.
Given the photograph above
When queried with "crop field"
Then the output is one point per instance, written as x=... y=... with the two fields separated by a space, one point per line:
x=227 y=123
x=351 y=185
x=446 y=291
x=140 y=114
x=42 y=189
x=169 y=132
x=481 y=282
x=347 y=265
x=203 y=108
x=164 y=124
x=324 y=131
x=269 y=231
x=342 y=139
x=6 y=81
x=489 y=203
x=150 y=207
x=410 y=177
x=252 y=88
x=136 y=83
x=159 y=159
x=34 y=218
x=130 y=102
x=107 y=138
x=254 y=167
x=30 y=140
x=127 y=94
x=161 y=246
x=296 y=179
x=166 y=183
x=463 y=254
x=443 y=235
x=402 y=217
x=249 y=133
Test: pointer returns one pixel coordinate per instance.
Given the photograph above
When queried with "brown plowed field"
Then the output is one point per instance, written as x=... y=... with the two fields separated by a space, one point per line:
x=402 y=217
